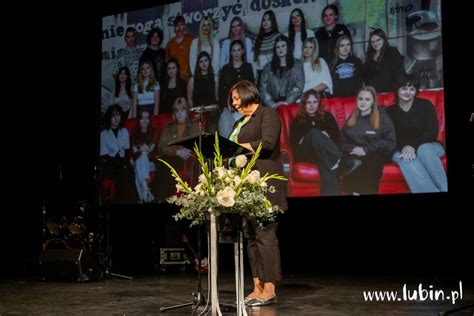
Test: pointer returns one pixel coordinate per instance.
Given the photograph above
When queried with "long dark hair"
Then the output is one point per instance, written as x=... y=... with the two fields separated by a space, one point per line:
x=302 y=116
x=197 y=70
x=128 y=83
x=291 y=29
x=167 y=78
x=139 y=137
x=371 y=50
x=290 y=60
x=261 y=33
x=236 y=42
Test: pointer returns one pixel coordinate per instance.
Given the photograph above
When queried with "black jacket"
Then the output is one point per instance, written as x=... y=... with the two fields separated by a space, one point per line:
x=264 y=127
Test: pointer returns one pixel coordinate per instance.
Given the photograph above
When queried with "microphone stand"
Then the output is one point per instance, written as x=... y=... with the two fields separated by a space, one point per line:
x=229 y=149
x=198 y=298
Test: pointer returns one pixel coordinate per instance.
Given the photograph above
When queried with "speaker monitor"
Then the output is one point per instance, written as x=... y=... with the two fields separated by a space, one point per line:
x=74 y=265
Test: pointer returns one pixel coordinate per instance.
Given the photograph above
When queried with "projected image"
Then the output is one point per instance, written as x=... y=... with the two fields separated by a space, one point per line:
x=358 y=86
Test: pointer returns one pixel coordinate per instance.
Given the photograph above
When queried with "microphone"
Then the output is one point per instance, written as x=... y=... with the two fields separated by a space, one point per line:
x=204 y=108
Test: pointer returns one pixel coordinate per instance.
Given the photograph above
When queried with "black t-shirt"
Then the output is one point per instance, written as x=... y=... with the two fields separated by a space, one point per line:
x=417 y=126
x=346 y=76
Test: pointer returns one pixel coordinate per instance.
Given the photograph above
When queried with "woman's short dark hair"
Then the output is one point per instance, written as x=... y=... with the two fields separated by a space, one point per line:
x=111 y=111
x=247 y=92
x=407 y=80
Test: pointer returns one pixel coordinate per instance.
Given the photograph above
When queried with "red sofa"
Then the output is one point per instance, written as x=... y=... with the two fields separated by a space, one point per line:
x=158 y=121
x=304 y=178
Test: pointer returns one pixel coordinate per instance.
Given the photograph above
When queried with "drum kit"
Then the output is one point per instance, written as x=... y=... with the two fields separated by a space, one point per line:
x=71 y=233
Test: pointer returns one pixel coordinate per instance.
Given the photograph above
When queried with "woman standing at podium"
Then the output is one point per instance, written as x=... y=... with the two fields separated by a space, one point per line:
x=260 y=125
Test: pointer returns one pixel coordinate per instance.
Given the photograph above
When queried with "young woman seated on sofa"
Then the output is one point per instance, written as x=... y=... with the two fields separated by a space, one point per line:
x=314 y=139
x=418 y=153
x=369 y=137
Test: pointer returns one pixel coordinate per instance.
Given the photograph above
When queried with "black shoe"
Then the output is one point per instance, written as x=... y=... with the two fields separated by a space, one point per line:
x=350 y=165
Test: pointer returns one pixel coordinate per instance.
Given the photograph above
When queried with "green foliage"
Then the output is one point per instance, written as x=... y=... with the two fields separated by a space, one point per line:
x=240 y=190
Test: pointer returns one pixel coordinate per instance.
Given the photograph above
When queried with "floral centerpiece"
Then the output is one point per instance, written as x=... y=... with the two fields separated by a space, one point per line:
x=239 y=190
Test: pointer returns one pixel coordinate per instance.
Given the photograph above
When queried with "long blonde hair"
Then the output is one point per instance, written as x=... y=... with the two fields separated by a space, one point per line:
x=374 y=113
x=151 y=80
x=205 y=38
x=315 y=63
x=335 y=52
x=180 y=104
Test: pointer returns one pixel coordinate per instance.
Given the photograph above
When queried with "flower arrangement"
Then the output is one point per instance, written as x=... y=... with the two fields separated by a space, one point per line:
x=239 y=190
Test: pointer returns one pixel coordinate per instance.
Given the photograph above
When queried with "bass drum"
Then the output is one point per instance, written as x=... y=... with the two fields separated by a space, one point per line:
x=56 y=243
x=61 y=244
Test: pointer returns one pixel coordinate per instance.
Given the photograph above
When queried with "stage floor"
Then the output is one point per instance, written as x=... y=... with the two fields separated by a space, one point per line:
x=297 y=295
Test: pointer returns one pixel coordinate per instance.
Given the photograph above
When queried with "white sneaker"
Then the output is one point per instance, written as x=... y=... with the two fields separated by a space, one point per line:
x=149 y=196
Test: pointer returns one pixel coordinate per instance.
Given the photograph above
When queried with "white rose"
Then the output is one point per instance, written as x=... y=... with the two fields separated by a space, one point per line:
x=253 y=177
x=237 y=180
x=241 y=161
x=221 y=172
x=226 y=197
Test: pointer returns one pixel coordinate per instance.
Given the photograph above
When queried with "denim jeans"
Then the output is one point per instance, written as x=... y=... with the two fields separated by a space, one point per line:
x=143 y=167
x=425 y=173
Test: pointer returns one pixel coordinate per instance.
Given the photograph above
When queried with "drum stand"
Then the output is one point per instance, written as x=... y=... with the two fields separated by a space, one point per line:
x=43 y=210
x=107 y=262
